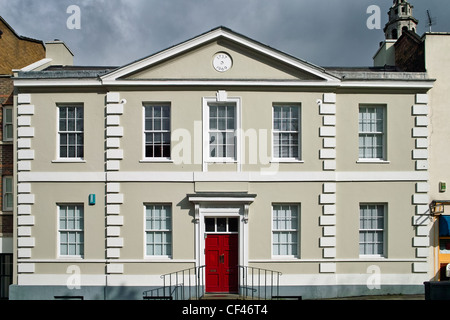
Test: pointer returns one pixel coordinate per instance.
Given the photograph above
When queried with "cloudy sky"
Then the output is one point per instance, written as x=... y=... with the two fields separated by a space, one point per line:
x=116 y=32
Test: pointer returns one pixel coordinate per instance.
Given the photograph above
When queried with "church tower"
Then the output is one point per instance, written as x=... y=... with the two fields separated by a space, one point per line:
x=400 y=19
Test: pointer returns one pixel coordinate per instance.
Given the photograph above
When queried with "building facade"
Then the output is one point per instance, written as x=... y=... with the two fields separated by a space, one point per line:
x=223 y=155
x=15 y=52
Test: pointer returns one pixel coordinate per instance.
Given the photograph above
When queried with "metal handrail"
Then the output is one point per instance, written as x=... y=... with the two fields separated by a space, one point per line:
x=263 y=283
x=179 y=285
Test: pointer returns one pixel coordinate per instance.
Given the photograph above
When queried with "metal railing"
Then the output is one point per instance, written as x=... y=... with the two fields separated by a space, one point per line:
x=179 y=285
x=254 y=283
x=258 y=283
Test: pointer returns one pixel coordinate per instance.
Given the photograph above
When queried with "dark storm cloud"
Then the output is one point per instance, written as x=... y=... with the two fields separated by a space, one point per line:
x=115 y=32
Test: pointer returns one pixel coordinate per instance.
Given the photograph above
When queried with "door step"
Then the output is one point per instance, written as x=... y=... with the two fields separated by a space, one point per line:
x=221 y=296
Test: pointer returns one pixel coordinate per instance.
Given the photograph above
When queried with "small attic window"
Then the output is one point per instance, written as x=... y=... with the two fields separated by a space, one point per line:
x=1 y=32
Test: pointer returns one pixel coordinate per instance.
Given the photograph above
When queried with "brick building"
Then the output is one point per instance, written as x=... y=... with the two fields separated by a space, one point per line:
x=16 y=52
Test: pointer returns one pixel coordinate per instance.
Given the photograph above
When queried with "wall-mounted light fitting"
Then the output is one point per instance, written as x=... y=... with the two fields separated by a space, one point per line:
x=92 y=199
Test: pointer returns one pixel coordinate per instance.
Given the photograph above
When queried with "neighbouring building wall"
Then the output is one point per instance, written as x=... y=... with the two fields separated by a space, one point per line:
x=16 y=51
x=438 y=67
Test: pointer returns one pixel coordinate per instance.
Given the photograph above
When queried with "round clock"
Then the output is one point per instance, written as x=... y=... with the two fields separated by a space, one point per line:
x=222 y=62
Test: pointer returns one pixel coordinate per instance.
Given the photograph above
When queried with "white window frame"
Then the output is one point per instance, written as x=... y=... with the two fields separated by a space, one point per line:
x=144 y=139
x=298 y=157
x=297 y=231
x=7 y=124
x=7 y=193
x=382 y=133
x=169 y=231
x=80 y=231
x=376 y=230
x=58 y=138
x=207 y=159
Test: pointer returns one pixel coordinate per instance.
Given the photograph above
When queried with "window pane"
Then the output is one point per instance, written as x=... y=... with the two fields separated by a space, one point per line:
x=210 y=225
x=233 y=225
x=221 y=224
x=8 y=184
x=8 y=201
x=71 y=227
x=371 y=236
x=71 y=127
x=371 y=132
x=157 y=132
x=79 y=125
x=221 y=123
x=286 y=134
x=285 y=229
x=158 y=229
x=222 y=131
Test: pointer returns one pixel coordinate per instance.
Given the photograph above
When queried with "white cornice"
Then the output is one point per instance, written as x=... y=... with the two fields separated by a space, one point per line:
x=250 y=83
x=386 y=84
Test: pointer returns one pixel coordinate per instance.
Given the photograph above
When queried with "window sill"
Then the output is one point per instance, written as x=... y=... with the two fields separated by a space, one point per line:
x=158 y=258
x=212 y=161
x=68 y=258
x=69 y=161
x=285 y=258
x=156 y=160
x=372 y=257
x=286 y=161
x=378 y=161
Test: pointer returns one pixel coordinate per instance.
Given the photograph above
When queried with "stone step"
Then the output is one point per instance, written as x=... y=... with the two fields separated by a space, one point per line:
x=221 y=296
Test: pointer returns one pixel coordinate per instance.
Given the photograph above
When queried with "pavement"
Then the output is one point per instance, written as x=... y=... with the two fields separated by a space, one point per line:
x=375 y=297
x=384 y=297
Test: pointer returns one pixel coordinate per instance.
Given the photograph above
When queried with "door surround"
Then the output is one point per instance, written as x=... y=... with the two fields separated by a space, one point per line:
x=221 y=204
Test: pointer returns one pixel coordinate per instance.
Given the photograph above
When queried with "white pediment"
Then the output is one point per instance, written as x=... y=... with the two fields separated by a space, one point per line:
x=193 y=61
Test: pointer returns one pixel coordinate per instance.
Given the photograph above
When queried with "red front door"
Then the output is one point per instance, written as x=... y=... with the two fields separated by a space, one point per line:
x=221 y=257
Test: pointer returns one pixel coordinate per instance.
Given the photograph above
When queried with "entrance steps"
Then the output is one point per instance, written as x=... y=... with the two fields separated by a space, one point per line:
x=221 y=296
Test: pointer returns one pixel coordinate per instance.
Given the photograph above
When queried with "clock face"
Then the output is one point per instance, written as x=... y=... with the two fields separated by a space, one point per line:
x=222 y=62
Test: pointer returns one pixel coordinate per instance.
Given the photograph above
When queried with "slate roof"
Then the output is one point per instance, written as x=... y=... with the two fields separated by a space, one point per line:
x=67 y=72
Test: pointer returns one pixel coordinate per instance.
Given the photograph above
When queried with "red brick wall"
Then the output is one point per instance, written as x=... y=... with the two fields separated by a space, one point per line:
x=410 y=53
x=6 y=225
x=16 y=53
x=6 y=155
